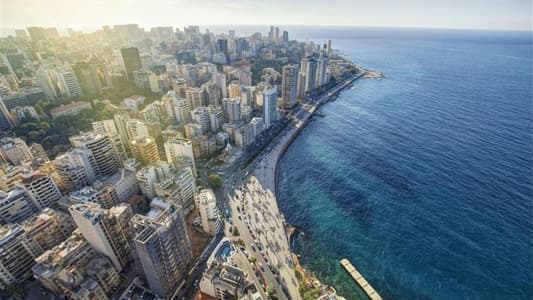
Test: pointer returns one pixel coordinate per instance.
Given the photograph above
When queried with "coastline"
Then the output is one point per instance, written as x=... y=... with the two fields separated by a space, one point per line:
x=291 y=229
x=262 y=222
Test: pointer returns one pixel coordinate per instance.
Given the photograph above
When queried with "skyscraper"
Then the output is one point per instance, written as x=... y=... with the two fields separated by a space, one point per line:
x=285 y=36
x=289 y=86
x=162 y=246
x=222 y=47
x=270 y=106
x=321 y=71
x=307 y=78
x=131 y=61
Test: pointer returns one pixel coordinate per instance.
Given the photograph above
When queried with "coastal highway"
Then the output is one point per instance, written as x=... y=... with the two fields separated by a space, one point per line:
x=250 y=192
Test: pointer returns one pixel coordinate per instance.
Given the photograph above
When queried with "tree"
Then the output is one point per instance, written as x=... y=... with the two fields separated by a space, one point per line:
x=214 y=180
x=272 y=293
x=17 y=291
x=235 y=231
x=252 y=259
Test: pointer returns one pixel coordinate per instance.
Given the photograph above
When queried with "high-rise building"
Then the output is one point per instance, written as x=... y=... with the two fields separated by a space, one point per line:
x=131 y=61
x=192 y=130
x=200 y=116
x=144 y=150
x=17 y=254
x=101 y=147
x=207 y=207
x=50 y=228
x=74 y=170
x=103 y=194
x=162 y=246
x=195 y=97
x=58 y=269
x=322 y=71
x=307 y=78
x=45 y=82
x=41 y=188
x=258 y=125
x=123 y=183
x=270 y=106
x=6 y=123
x=180 y=107
x=285 y=36
x=107 y=127
x=68 y=83
x=92 y=76
x=15 y=206
x=223 y=278
x=10 y=176
x=220 y=80
x=289 y=86
x=148 y=176
x=102 y=271
x=222 y=47
x=14 y=150
x=105 y=230
x=177 y=148
x=234 y=89
x=216 y=118
x=232 y=108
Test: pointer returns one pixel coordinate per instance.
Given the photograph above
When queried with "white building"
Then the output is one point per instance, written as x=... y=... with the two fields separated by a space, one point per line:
x=207 y=207
x=200 y=116
x=15 y=150
x=178 y=147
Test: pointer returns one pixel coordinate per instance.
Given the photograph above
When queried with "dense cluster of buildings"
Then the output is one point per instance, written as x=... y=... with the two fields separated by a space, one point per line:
x=119 y=196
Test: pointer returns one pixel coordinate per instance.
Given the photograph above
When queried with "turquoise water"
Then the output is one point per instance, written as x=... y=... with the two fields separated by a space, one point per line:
x=422 y=179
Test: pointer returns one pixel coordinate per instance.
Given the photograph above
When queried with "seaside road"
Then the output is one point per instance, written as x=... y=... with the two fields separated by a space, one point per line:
x=254 y=207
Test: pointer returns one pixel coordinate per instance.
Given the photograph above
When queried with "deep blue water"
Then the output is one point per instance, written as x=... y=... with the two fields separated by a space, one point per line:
x=422 y=179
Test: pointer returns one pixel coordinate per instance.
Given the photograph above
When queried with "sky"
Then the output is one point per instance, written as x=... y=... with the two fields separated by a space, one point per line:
x=91 y=14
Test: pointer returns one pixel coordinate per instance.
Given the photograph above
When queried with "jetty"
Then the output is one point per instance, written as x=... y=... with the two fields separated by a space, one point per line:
x=357 y=277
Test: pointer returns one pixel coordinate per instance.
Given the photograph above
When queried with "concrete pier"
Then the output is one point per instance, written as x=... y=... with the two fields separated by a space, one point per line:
x=357 y=277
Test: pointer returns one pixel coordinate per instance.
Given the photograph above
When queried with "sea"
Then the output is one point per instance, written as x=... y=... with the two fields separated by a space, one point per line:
x=423 y=178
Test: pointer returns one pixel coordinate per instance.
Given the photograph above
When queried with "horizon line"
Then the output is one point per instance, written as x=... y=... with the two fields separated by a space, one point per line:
x=181 y=26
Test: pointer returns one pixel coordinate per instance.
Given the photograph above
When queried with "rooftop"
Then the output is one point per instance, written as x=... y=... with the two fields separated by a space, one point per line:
x=66 y=107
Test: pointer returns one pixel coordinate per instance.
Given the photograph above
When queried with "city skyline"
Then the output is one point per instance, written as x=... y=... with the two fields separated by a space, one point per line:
x=89 y=15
